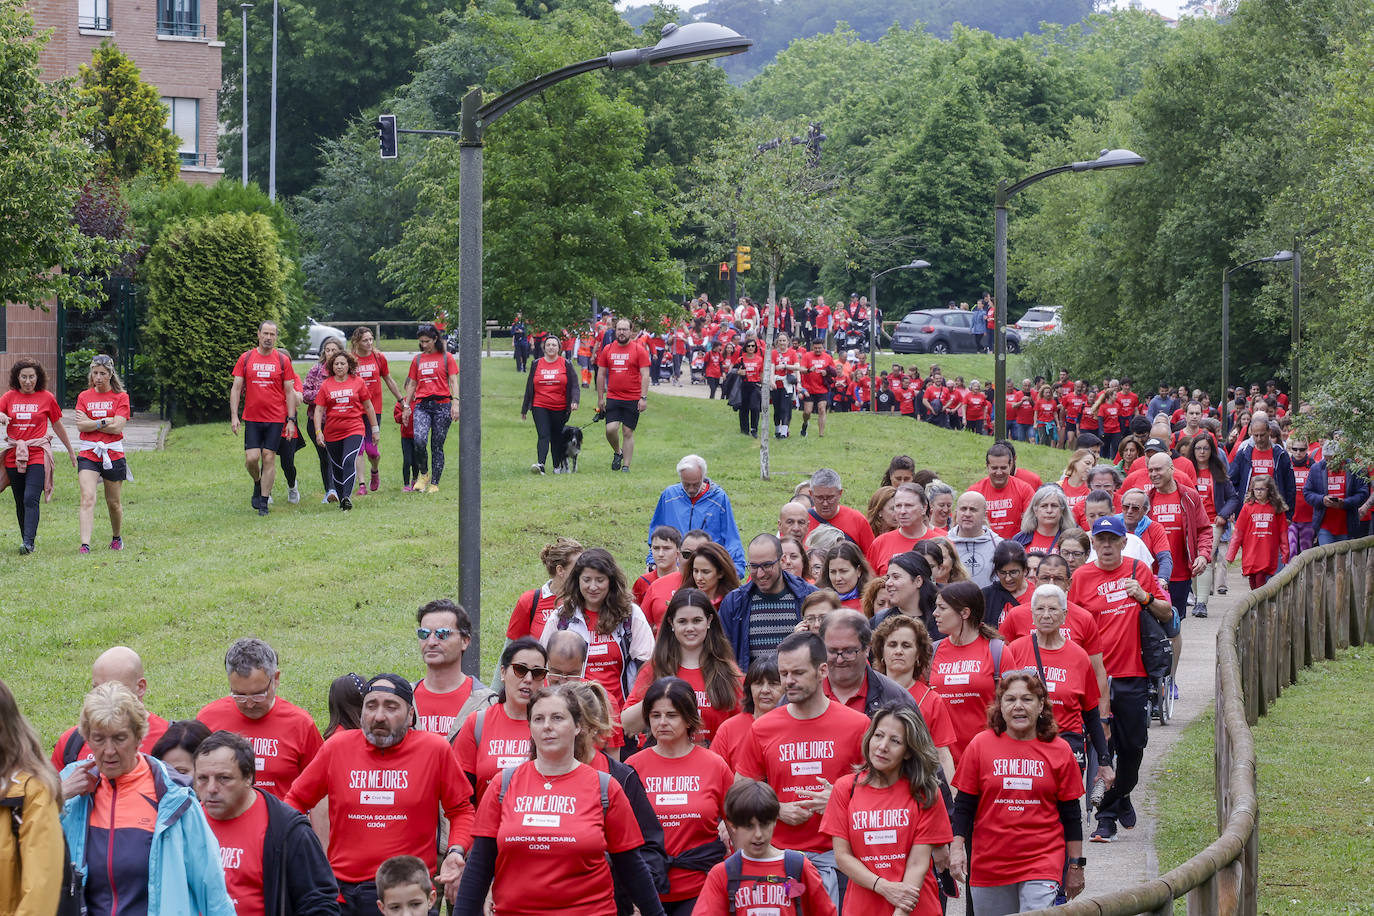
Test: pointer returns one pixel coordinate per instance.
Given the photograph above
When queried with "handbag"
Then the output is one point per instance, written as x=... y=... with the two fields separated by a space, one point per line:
x=1156 y=650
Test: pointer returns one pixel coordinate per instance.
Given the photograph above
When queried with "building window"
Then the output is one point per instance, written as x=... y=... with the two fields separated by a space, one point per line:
x=180 y=17
x=183 y=119
x=93 y=14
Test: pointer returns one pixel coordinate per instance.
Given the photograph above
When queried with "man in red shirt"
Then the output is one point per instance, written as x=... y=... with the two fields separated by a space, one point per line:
x=622 y=391
x=1115 y=592
x=118 y=663
x=265 y=379
x=1007 y=496
x=445 y=696
x=273 y=863
x=386 y=784
x=826 y=490
x=818 y=368
x=1179 y=511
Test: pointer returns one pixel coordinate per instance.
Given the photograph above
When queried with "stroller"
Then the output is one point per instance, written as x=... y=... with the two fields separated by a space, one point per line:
x=698 y=366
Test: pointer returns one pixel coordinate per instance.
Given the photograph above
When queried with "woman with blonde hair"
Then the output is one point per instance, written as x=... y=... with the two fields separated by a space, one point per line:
x=101 y=412
x=31 y=857
x=1074 y=481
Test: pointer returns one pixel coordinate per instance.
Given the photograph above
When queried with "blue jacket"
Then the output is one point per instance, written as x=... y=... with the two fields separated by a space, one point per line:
x=734 y=612
x=1283 y=475
x=184 y=872
x=711 y=513
x=1356 y=492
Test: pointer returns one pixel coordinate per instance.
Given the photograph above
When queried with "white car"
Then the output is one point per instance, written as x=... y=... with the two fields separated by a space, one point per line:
x=318 y=334
x=1040 y=319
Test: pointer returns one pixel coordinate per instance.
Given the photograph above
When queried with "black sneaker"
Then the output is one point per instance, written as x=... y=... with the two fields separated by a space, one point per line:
x=26 y=548
x=345 y=504
x=803 y=430
x=1128 y=817
x=1105 y=832
x=262 y=506
x=616 y=460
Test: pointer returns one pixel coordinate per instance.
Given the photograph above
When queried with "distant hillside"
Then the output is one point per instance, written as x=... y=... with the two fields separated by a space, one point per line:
x=773 y=24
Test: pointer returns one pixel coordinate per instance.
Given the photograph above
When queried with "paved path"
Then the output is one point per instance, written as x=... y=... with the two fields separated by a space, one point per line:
x=143 y=433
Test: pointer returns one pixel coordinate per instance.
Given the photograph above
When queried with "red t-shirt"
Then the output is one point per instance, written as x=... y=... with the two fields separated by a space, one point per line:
x=99 y=406
x=1011 y=401
x=964 y=676
x=1110 y=413
x=1074 y=495
x=343 y=404
x=656 y=599
x=1045 y=410
x=641 y=586
x=371 y=369
x=1019 y=784
x=890 y=543
x=505 y=743
x=851 y=522
x=551 y=844
x=1025 y=407
x=1166 y=509
x=29 y=417
x=240 y=855
x=1069 y=679
x=284 y=741
x=1261 y=462
x=752 y=365
x=264 y=397
x=431 y=372
x=934 y=708
x=1261 y=535
x=782 y=358
x=711 y=718
x=823 y=317
x=622 y=363
x=532 y=610
x=1073 y=406
x=1334 y=521
x=813 y=377
x=1128 y=401
x=385 y=802
x=1205 y=487
x=763 y=891
x=1005 y=506
x=792 y=754
x=729 y=735
x=1302 y=512
x=551 y=384
x=438 y=712
x=1079 y=626
x=1103 y=594
x=688 y=795
x=975 y=405
x=881 y=827
x=906 y=401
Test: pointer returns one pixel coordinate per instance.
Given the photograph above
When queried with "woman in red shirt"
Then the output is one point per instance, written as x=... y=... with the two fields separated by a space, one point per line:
x=963 y=669
x=750 y=379
x=898 y=791
x=374 y=370
x=101 y=412
x=432 y=398
x=1019 y=788
x=762 y=693
x=310 y=387
x=28 y=408
x=975 y=407
x=846 y=572
x=686 y=784
x=340 y=406
x=713 y=572
x=1074 y=482
x=497 y=737
x=552 y=393
x=1048 y=417
x=1046 y=517
x=691 y=646
x=902 y=650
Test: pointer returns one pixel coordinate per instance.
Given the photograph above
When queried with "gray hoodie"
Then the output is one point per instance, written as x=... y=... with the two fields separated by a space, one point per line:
x=976 y=553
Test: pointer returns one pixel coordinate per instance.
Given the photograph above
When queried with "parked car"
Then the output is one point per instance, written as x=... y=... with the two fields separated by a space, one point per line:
x=1040 y=319
x=942 y=331
x=318 y=333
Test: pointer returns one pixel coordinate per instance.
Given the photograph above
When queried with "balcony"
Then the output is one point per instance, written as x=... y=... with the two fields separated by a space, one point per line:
x=196 y=160
x=181 y=28
x=95 y=23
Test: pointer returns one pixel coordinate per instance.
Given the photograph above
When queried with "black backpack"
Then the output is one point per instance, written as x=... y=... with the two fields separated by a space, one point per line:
x=734 y=874
x=1156 y=649
x=72 y=897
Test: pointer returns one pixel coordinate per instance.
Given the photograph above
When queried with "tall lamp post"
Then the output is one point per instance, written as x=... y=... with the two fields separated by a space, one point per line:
x=1108 y=159
x=1278 y=257
x=272 y=127
x=873 y=325
x=245 y=7
x=677 y=44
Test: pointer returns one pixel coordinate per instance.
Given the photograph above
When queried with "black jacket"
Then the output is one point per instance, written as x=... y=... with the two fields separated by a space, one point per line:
x=883 y=690
x=296 y=877
x=653 y=852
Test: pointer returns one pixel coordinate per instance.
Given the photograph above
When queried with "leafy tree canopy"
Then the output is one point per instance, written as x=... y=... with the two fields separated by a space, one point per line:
x=129 y=123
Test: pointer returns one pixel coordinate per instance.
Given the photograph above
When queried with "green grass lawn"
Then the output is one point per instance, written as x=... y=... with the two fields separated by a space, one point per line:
x=336 y=592
x=1315 y=797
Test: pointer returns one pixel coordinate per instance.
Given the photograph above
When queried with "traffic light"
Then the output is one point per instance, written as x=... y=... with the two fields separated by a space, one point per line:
x=741 y=258
x=386 y=133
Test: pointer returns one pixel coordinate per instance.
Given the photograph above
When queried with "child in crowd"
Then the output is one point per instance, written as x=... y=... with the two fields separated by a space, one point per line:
x=407 y=447
x=404 y=887
x=1261 y=531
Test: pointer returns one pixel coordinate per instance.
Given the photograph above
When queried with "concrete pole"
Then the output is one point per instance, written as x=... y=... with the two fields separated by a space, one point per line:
x=470 y=376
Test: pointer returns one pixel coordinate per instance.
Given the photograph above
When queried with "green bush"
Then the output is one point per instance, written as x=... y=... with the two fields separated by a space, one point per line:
x=210 y=283
x=78 y=371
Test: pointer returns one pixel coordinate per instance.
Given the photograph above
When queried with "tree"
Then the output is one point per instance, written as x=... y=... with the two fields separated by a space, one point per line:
x=45 y=161
x=129 y=127
x=776 y=202
x=211 y=281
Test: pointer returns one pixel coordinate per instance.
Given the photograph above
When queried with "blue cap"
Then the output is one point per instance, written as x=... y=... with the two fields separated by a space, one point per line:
x=1109 y=524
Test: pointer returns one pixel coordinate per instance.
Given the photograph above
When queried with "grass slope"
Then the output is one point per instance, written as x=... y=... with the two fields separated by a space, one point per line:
x=336 y=592
x=1315 y=796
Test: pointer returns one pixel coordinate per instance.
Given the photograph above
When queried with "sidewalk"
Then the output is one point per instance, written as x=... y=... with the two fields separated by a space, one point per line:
x=143 y=433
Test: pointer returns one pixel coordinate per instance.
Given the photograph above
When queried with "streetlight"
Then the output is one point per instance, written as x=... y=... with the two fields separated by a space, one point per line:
x=677 y=44
x=245 y=7
x=1278 y=257
x=1107 y=159
x=272 y=128
x=873 y=325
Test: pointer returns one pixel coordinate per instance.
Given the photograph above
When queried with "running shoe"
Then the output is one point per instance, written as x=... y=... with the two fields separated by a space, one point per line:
x=1221 y=589
x=407 y=489
x=331 y=497
x=432 y=488
x=1128 y=817
x=257 y=495
x=1200 y=610
x=362 y=490
x=85 y=548
x=26 y=548
x=325 y=500
x=263 y=510
x=374 y=481
x=536 y=468
x=625 y=468
x=345 y=504
x=616 y=460
x=1105 y=832
x=117 y=543
x=293 y=495
x=421 y=482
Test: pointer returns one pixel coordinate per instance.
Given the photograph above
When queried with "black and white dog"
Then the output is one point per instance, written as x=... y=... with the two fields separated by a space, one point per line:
x=572 y=447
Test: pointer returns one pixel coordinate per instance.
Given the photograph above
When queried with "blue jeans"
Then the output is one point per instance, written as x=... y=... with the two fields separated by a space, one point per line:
x=1325 y=537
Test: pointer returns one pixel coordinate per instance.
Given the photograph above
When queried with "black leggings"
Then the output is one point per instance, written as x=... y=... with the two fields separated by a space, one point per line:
x=321 y=451
x=713 y=384
x=28 y=493
x=549 y=424
x=782 y=406
x=343 y=463
x=748 y=406
x=407 y=460
x=286 y=458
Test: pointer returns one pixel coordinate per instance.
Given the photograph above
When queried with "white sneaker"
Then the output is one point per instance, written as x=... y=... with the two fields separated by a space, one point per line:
x=293 y=495
x=269 y=499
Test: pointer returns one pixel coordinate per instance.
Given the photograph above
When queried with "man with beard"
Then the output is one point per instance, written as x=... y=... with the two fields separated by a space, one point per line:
x=622 y=392
x=386 y=785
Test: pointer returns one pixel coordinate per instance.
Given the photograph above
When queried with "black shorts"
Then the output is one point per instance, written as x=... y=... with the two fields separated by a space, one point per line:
x=623 y=412
x=814 y=399
x=258 y=435
x=118 y=470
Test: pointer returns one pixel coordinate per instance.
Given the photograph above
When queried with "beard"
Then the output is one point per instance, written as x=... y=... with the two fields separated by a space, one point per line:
x=386 y=739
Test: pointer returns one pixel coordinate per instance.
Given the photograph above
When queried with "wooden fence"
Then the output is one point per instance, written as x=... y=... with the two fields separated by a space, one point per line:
x=1321 y=603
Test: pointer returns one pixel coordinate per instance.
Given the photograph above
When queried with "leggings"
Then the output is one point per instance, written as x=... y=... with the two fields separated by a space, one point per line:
x=782 y=406
x=407 y=460
x=432 y=420
x=713 y=383
x=28 y=490
x=1258 y=579
x=321 y=452
x=748 y=406
x=286 y=458
x=343 y=463
x=549 y=424
x=975 y=427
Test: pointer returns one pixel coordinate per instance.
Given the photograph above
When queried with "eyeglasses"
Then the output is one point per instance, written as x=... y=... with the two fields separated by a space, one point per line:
x=814 y=620
x=1134 y=507
x=1072 y=554
x=845 y=654
x=556 y=678
x=250 y=697
x=102 y=360
x=442 y=633
x=524 y=671
x=760 y=567
x=1011 y=572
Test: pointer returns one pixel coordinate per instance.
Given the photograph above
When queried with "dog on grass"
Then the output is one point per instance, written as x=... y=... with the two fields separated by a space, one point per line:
x=572 y=447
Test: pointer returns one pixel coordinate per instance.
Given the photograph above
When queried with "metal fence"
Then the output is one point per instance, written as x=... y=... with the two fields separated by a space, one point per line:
x=1320 y=604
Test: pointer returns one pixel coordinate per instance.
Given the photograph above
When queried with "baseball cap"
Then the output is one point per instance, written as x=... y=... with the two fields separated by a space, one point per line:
x=1156 y=445
x=1109 y=524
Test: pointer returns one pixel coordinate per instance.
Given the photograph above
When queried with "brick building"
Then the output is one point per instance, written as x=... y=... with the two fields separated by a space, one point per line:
x=175 y=45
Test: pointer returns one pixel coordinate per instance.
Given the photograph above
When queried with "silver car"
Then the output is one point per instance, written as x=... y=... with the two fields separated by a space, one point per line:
x=318 y=334
x=1040 y=319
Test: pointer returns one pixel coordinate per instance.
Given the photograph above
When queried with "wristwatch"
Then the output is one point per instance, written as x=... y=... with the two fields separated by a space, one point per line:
x=1081 y=861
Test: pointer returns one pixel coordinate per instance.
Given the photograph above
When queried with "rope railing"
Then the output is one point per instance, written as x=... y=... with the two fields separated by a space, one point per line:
x=1320 y=604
